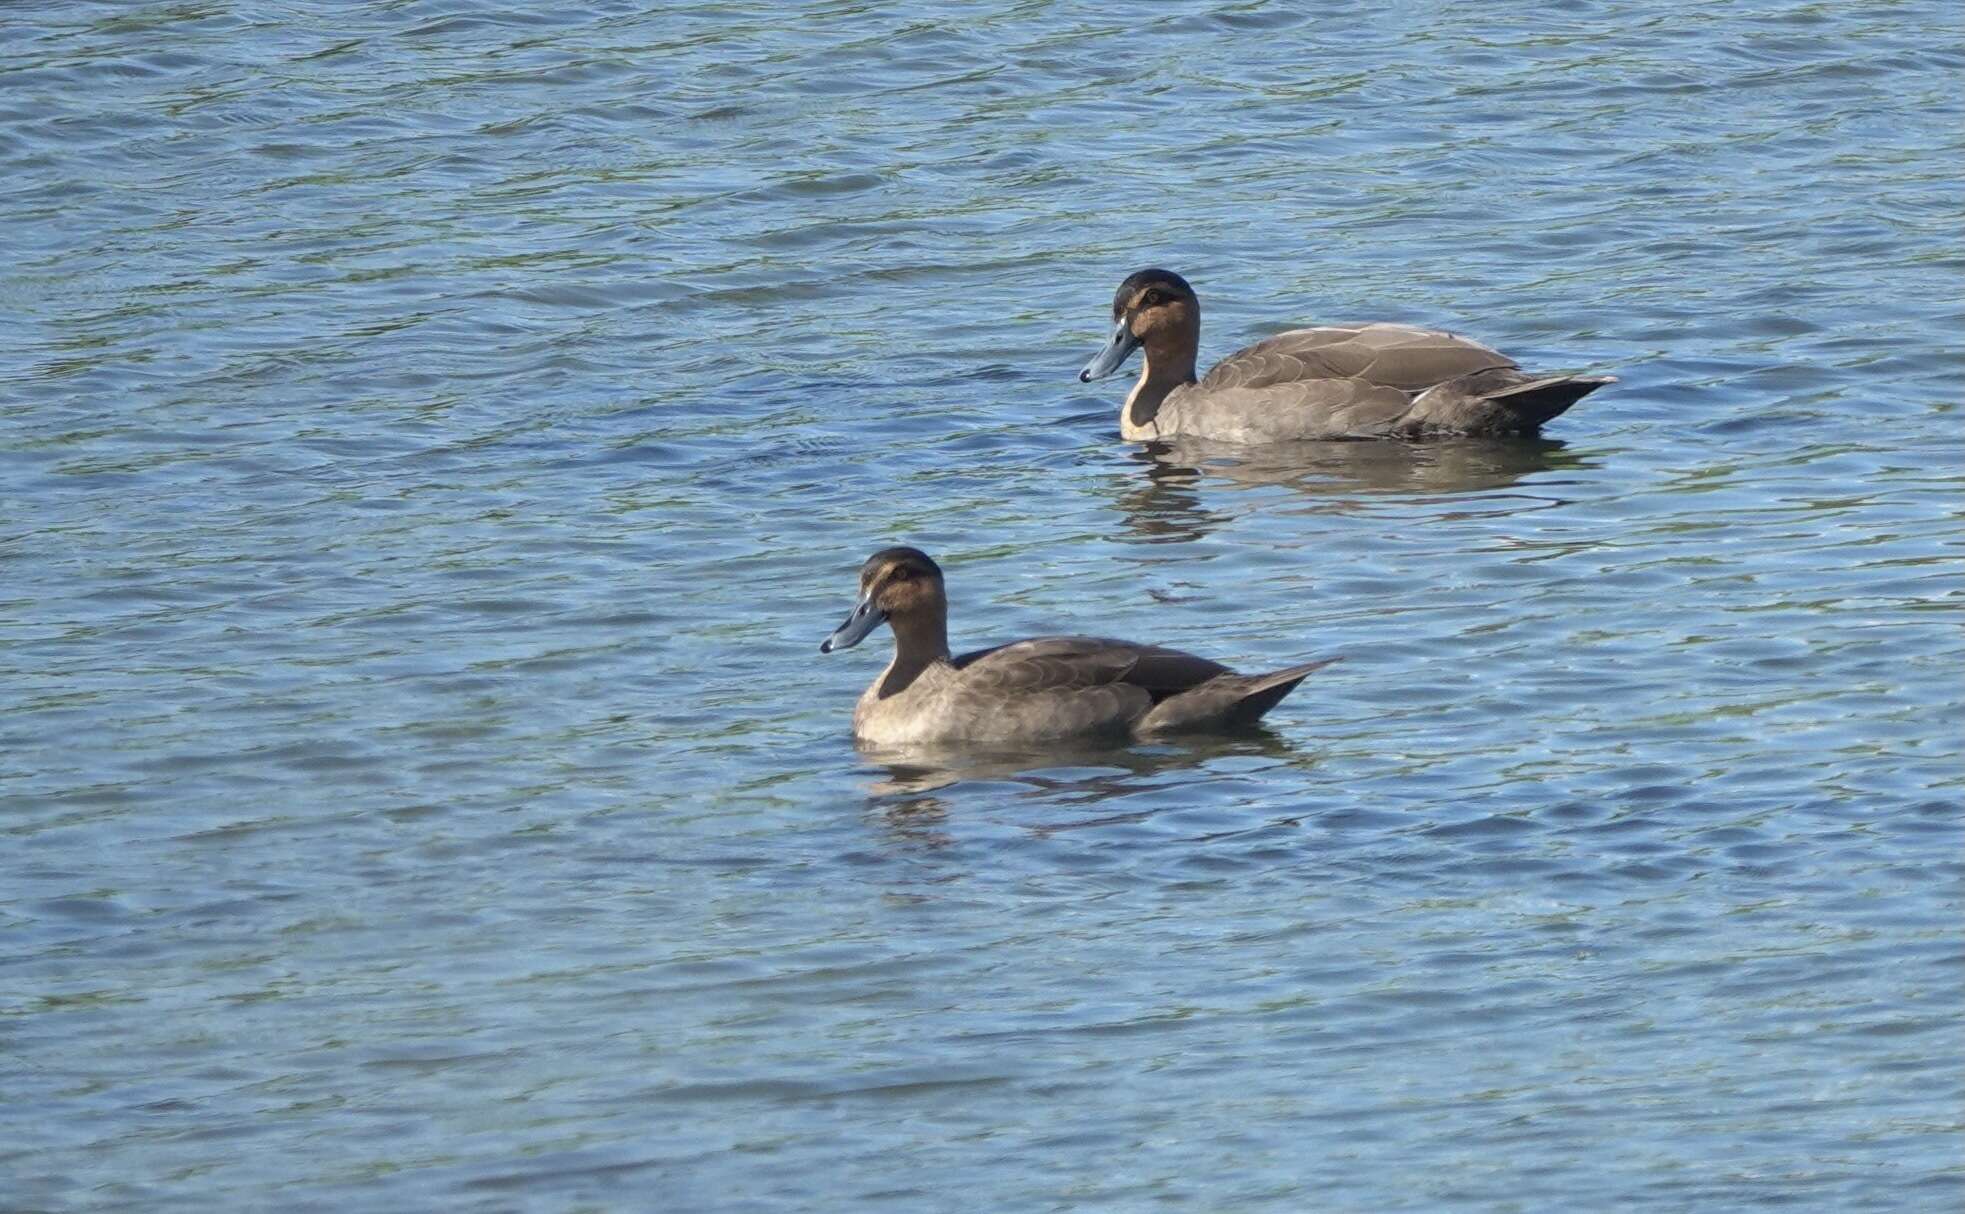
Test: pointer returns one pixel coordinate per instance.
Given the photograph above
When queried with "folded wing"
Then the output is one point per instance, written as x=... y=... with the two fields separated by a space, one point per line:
x=1401 y=357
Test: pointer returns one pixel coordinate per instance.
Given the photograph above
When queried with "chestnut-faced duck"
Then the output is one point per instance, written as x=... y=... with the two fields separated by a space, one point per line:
x=1042 y=690
x=1328 y=382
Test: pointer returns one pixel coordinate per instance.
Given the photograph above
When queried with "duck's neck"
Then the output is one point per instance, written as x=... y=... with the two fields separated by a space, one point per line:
x=919 y=642
x=1169 y=365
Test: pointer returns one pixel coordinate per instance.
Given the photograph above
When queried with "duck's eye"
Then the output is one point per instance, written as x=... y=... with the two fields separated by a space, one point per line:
x=1154 y=299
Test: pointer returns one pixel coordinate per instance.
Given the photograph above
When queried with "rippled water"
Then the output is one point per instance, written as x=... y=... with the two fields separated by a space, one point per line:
x=436 y=437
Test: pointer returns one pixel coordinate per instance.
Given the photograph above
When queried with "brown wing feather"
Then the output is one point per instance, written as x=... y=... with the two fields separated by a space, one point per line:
x=1057 y=687
x=1401 y=357
x=1073 y=663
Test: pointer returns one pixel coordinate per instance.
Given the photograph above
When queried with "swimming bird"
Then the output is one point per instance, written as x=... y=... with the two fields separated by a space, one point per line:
x=1039 y=690
x=1332 y=381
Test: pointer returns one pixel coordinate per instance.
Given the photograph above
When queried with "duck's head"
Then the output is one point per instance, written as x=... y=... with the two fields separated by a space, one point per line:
x=1150 y=307
x=900 y=584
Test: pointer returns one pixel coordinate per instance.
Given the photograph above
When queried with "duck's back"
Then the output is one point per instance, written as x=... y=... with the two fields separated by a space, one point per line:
x=1331 y=381
x=1064 y=686
x=1036 y=690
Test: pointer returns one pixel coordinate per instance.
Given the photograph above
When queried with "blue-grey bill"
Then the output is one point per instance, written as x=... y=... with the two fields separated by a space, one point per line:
x=865 y=618
x=1109 y=359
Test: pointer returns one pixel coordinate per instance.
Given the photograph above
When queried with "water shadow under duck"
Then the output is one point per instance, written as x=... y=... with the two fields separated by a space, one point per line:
x=1162 y=497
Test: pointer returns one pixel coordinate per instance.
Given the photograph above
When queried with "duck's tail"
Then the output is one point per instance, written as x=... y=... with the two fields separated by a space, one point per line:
x=1227 y=701
x=1529 y=405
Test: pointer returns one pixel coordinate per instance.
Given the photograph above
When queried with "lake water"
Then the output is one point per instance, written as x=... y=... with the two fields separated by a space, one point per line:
x=434 y=438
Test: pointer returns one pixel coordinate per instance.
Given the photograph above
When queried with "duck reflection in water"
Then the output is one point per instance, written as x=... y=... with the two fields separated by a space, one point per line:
x=919 y=788
x=1167 y=506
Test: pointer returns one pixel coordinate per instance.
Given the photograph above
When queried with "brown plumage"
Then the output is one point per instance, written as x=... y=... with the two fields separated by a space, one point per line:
x=1041 y=690
x=1332 y=381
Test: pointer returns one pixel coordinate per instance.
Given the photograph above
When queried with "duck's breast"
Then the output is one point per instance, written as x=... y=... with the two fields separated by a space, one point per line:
x=915 y=715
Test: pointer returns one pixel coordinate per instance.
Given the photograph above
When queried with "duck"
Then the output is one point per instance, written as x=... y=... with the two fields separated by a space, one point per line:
x=1350 y=381
x=1045 y=689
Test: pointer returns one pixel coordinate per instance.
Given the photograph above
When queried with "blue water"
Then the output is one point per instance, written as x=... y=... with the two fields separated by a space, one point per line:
x=434 y=438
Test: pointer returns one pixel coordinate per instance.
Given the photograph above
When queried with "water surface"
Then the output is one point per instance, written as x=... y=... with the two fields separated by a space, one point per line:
x=435 y=437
